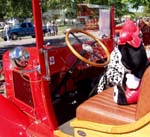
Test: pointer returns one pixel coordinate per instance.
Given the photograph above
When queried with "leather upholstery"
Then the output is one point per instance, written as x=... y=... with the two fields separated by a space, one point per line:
x=101 y=108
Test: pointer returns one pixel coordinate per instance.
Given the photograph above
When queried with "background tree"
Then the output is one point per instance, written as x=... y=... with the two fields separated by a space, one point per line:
x=15 y=8
x=3 y=6
x=146 y=11
x=137 y=3
x=23 y=8
x=121 y=8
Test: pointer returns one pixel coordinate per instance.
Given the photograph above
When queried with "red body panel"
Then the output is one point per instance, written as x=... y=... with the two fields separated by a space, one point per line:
x=28 y=107
x=35 y=77
x=13 y=121
x=48 y=109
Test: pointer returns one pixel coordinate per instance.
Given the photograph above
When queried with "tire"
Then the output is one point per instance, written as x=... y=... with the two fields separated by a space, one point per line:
x=5 y=39
x=33 y=36
x=14 y=36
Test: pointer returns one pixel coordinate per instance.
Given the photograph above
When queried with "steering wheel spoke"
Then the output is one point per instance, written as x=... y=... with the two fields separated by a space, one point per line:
x=98 y=58
x=89 y=49
x=80 y=41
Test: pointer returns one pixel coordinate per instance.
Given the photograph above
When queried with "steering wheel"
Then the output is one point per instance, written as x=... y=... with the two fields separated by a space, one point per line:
x=87 y=48
x=146 y=20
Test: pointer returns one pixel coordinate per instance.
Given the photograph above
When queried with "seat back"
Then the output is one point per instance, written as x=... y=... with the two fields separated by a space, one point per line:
x=143 y=105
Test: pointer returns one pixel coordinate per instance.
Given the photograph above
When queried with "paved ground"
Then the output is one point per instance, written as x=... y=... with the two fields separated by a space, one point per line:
x=22 y=41
x=31 y=41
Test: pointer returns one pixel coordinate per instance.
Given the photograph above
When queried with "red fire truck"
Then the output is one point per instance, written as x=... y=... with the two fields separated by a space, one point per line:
x=47 y=83
x=88 y=14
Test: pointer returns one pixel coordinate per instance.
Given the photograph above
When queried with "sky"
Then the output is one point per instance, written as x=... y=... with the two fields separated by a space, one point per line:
x=137 y=10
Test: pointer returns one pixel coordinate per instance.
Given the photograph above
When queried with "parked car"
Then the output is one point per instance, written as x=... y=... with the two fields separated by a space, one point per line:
x=21 y=30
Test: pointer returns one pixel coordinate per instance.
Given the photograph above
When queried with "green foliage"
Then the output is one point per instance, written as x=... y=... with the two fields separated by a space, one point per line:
x=3 y=6
x=23 y=8
x=137 y=3
x=15 y=8
x=120 y=7
x=146 y=11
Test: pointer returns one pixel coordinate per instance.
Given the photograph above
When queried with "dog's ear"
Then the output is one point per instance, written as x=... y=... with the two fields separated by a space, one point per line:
x=128 y=56
x=134 y=59
x=119 y=95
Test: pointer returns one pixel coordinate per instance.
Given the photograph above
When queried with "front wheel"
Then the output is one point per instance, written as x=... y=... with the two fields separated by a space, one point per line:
x=33 y=36
x=5 y=38
x=14 y=36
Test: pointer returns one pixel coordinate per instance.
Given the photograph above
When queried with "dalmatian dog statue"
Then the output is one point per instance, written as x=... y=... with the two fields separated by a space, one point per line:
x=128 y=62
x=134 y=58
x=114 y=73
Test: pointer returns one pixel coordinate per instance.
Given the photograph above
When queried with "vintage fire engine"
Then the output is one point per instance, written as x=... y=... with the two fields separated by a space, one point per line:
x=45 y=84
x=88 y=14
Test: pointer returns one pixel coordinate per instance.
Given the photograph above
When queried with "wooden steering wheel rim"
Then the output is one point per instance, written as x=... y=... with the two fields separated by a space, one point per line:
x=147 y=22
x=83 y=58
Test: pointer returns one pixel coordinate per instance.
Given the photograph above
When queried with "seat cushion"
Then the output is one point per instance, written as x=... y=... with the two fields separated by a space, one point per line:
x=101 y=108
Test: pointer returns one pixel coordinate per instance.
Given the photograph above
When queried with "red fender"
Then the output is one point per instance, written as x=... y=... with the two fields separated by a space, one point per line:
x=13 y=121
